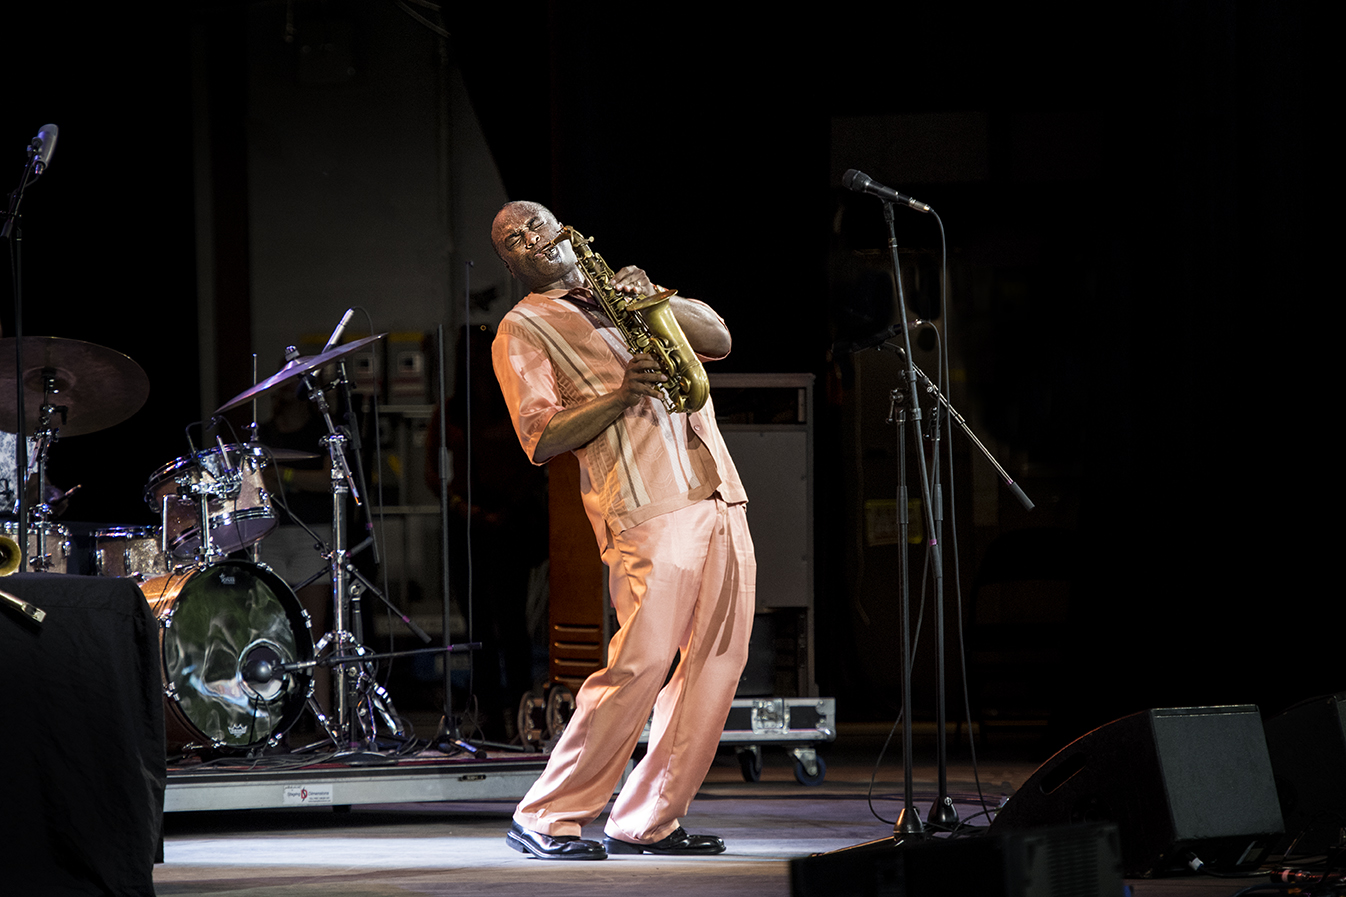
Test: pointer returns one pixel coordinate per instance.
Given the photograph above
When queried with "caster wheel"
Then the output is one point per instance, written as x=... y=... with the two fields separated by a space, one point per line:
x=804 y=777
x=750 y=763
x=560 y=708
x=532 y=721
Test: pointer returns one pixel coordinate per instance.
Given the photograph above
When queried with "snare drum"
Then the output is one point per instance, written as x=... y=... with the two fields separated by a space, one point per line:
x=234 y=522
x=135 y=551
x=218 y=628
x=58 y=543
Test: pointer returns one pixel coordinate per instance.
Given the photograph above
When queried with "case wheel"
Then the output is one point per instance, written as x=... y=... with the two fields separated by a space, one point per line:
x=532 y=721
x=560 y=708
x=809 y=767
x=750 y=762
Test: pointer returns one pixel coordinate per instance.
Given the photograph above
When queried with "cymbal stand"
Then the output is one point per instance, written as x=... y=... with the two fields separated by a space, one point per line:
x=358 y=586
x=255 y=549
x=346 y=624
x=45 y=437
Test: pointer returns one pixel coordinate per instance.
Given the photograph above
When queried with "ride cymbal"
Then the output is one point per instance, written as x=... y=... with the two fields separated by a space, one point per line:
x=98 y=387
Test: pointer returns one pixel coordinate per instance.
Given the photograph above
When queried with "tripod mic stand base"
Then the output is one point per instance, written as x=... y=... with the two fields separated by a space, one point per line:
x=943 y=817
x=908 y=826
x=449 y=739
x=358 y=757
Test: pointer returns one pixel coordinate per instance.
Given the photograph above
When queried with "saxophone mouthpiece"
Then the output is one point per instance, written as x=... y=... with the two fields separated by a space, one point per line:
x=566 y=233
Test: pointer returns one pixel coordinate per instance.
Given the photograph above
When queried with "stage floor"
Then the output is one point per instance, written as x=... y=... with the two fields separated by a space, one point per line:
x=457 y=846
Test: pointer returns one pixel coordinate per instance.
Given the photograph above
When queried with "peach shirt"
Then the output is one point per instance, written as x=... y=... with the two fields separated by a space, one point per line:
x=554 y=350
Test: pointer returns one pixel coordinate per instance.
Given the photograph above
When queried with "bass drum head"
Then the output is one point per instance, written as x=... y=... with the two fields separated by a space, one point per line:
x=220 y=626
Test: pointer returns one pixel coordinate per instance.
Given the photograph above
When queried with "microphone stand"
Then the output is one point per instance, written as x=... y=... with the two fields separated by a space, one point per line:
x=943 y=816
x=11 y=231
x=449 y=735
x=264 y=671
x=908 y=825
x=957 y=418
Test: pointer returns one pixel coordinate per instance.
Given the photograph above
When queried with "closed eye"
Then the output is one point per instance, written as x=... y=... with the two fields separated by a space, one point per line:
x=515 y=238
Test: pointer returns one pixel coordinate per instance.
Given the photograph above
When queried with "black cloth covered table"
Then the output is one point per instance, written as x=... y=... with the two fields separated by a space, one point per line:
x=82 y=755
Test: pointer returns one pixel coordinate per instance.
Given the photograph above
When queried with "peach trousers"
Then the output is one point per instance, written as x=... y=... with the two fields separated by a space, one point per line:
x=685 y=581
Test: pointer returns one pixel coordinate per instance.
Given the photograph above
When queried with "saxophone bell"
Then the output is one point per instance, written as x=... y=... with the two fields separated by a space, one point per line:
x=10 y=556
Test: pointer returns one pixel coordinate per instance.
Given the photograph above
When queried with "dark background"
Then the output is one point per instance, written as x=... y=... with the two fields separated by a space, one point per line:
x=1134 y=275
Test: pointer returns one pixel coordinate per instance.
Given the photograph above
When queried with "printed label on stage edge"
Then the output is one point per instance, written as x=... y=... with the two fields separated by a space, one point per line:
x=303 y=795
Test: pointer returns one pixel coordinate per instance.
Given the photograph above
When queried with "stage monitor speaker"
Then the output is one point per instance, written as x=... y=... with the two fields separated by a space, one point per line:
x=1308 y=754
x=1178 y=782
x=1063 y=861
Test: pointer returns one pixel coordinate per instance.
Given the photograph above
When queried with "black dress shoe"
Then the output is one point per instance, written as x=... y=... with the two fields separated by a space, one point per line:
x=547 y=847
x=677 y=844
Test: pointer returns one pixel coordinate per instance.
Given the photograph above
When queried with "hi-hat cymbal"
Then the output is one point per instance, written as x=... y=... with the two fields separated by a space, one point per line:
x=98 y=386
x=297 y=368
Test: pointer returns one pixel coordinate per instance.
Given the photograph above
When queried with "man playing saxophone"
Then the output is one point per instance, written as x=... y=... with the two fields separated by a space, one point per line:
x=668 y=512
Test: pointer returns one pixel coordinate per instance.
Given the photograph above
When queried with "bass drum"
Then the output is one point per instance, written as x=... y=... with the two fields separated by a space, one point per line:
x=220 y=629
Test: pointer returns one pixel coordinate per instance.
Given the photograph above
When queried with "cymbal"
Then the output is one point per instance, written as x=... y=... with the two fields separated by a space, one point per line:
x=297 y=368
x=289 y=456
x=98 y=386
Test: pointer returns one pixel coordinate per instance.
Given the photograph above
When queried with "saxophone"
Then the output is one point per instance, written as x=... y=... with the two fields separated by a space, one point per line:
x=647 y=324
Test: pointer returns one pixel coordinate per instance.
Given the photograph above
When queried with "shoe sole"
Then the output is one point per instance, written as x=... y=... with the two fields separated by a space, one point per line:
x=617 y=846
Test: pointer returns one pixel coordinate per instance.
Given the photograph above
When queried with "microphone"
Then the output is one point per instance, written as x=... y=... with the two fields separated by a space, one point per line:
x=29 y=611
x=258 y=672
x=340 y=329
x=863 y=183
x=876 y=338
x=44 y=144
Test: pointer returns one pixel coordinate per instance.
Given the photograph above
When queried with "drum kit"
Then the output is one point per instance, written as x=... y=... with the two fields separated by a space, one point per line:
x=237 y=650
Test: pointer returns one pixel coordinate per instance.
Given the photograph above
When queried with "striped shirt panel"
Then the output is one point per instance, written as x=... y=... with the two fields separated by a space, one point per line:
x=551 y=354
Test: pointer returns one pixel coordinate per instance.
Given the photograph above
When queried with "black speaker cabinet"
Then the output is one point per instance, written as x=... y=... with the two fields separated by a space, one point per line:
x=1061 y=861
x=1308 y=753
x=1176 y=781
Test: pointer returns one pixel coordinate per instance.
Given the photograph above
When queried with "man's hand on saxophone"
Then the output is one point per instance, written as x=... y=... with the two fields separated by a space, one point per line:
x=704 y=330
x=581 y=424
x=641 y=380
x=635 y=281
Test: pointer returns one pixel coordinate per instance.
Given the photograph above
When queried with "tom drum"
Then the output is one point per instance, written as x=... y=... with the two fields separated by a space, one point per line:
x=57 y=544
x=135 y=551
x=235 y=522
